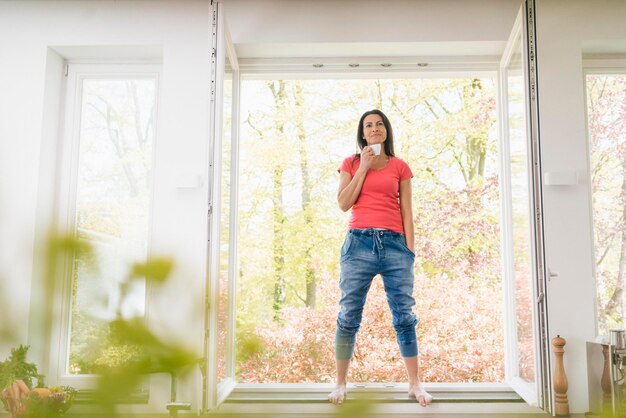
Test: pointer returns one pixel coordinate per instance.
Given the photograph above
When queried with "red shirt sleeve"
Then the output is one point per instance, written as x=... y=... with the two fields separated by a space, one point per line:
x=347 y=165
x=405 y=171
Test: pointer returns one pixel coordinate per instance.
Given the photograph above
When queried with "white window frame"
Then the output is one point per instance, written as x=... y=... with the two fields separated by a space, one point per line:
x=526 y=390
x=403 y=67
x=214 y=392
x=76 y=72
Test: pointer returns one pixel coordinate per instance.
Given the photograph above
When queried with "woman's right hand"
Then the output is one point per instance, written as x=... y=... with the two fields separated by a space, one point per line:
x=367 y=157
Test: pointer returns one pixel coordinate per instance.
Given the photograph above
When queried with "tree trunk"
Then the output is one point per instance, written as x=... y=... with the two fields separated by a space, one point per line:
x=379 y=99
x=278 y=243
x=278 y=91
x=117 y=139
x=309 y=275
x=476 y=154
x=476 y=151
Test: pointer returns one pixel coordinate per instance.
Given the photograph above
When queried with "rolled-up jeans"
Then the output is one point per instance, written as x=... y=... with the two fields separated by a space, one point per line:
x=364 y=254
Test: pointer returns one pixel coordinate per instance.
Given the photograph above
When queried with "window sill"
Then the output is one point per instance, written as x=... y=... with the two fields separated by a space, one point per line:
x=387 y=400
x=383 y=392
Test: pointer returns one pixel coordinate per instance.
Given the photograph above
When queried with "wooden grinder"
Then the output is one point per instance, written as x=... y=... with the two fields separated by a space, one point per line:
x=561 y=404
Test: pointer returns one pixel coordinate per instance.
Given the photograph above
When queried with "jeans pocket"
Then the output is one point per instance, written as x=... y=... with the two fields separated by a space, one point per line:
x=406 y=249
x=347 y=243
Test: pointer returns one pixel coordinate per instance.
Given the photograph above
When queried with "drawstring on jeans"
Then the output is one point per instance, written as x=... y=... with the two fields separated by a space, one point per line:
x=377 y=241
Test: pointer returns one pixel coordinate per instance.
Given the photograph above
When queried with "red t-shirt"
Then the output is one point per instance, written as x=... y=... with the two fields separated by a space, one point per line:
x=378 y=204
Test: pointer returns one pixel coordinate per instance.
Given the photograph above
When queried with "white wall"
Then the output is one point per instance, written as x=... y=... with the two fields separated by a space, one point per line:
x=562 y=28
x=31 y=36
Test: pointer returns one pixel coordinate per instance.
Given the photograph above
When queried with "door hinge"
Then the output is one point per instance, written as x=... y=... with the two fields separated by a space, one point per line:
x=213 y=69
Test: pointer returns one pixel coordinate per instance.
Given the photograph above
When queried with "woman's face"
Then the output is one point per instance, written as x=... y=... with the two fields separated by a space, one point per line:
x=374 y=129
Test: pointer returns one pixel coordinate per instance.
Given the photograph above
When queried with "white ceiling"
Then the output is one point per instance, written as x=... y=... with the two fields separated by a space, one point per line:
x=369 y=49
x=369 y=28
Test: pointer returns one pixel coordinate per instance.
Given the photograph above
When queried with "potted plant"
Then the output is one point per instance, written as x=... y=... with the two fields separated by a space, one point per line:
x=21 y=398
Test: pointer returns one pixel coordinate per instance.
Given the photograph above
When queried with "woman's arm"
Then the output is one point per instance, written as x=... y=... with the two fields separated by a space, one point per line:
x=406 y=209
x=350 y=187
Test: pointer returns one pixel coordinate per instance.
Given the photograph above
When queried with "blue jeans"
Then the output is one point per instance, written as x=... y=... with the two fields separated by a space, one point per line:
x=364 y=254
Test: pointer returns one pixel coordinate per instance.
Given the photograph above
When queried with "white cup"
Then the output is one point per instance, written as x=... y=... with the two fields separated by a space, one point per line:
x=375 y=148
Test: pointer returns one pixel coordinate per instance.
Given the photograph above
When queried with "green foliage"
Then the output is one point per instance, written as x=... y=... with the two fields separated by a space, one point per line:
x=135 y=353
x=248 y=342
x=50 y=403
x=353 y=407
x=17 y=368
x=121 y=351
x=89 y=343
x=156 y=270
x=52 y=406
x=149 y=353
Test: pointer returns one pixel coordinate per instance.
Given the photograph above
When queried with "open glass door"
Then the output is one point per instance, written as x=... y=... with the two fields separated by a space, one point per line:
x=222 y=245
x=527 y=368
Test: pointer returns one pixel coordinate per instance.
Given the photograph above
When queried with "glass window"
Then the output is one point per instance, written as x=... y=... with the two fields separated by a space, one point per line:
x=112 y=168
x=519 y=167
x=606 y=116
x=223 y=328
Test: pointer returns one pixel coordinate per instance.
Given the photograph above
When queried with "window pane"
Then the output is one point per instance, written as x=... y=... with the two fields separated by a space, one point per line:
x=225 y=245
x=606 y=115
x=521 y=222
x=294 y=135
x=113 y=187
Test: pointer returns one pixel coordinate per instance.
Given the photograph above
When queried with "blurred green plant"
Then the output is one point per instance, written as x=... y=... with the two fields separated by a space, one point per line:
x=358 y=407
x=132 y=350
x=18 y=394
x=17 y=368
x=136 y=350
x=53 y=404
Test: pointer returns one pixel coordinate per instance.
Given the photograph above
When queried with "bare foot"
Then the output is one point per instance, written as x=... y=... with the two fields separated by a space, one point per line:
x=417 y=391
x=338 y=395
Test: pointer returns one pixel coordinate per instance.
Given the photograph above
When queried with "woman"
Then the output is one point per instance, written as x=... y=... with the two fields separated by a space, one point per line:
x=380 y=240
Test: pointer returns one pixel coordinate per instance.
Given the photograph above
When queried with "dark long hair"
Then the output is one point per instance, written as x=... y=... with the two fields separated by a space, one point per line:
x=360 y=140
